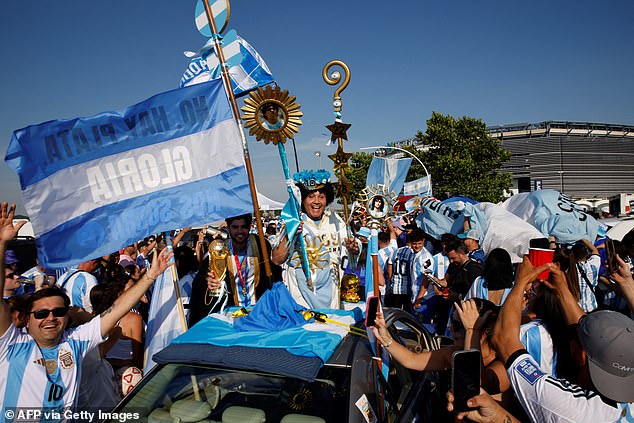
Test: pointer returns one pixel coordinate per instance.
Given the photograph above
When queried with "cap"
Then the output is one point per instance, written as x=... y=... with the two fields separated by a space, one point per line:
x=607 y=337
x=364 y=232
x=471 y=234
x=10 y=257
x=398 y=223
x=126 y=262
x=312 y=179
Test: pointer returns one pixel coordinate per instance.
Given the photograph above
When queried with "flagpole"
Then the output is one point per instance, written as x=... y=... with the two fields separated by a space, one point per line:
x=406 y=152
x=179 y=305
x=245 y=148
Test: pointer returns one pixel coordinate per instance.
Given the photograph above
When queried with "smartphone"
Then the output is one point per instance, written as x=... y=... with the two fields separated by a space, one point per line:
x=371 y=309
x=539 y=243
x=612 y=264
x=465 y=377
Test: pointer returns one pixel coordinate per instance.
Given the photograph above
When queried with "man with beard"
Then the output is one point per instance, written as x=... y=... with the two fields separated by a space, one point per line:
x=245 y=279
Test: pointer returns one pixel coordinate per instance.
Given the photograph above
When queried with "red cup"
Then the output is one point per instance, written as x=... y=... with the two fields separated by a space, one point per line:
x=539 y=256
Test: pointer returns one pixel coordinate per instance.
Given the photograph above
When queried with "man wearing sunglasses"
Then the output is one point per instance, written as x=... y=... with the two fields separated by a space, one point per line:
x=11 y=283
x=39 y=369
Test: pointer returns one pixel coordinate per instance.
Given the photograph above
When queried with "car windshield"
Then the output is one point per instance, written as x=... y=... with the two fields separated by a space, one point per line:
x=225 y=395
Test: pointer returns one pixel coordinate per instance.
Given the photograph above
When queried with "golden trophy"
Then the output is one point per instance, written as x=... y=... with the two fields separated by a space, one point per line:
x=218 y=252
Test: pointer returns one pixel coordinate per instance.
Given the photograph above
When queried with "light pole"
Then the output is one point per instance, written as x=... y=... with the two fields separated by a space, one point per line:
x=318 y=154
x=406 y=152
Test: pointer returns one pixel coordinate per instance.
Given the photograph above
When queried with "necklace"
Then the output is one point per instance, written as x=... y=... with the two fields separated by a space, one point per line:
x=242 y=274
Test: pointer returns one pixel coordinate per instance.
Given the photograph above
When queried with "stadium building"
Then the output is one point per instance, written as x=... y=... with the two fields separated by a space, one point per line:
x=589 y=162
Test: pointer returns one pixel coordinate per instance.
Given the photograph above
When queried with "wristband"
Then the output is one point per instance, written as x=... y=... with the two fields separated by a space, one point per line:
x=389 y=344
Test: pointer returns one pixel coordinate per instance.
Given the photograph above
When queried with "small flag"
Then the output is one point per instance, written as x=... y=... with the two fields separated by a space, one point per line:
x=219 y=11
x=389 y=172
x=247 y=69
x=163 y=319
x=419 y=186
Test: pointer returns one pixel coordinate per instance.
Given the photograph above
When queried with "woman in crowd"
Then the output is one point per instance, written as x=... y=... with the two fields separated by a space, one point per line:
x=497 y=278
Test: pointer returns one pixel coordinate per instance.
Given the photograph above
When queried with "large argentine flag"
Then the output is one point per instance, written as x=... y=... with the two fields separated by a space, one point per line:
x=389 y=172
x=91 y=185
x=553 y=214
x=247 y=69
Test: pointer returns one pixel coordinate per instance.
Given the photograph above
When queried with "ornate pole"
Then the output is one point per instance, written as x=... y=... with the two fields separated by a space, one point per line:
x=245 y=149
x=338 y=130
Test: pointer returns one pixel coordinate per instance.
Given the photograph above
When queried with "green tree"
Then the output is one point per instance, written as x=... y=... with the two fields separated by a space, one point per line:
x=356 y=174
x=462 y=159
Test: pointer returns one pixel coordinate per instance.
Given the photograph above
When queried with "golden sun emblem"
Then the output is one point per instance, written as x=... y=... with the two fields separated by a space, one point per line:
x=271 y=114
x=316 y=254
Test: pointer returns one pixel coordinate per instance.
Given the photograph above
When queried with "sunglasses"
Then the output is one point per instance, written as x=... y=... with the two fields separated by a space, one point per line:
x=10 y=275
x=43 y=313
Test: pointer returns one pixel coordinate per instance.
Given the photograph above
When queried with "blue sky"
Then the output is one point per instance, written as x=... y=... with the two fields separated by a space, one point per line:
x=501 y=61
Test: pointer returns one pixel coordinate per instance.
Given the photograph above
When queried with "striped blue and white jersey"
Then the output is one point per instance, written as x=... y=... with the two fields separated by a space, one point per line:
x=384 y=257
x=441 y=264
x=78 y=285
x=588 y=274
x=479 y=290
x=422 y=261
x=539 y=345
x=401 y=271
x=36 y=377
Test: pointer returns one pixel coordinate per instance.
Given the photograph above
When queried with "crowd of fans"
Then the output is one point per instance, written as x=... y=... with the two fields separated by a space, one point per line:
x=554 y=348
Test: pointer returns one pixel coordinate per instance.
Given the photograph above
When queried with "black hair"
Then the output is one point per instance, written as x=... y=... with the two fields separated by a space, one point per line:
x=53 y=291
x=548 y=308
x=247 y=217
x=328 y=190
x=458 y=246
x=378 y=198
x=580 y=251
x=498 y=270
x=448 y=238
x=384 y=236
x=185 y=260
x=415 y=235
x=482 y=306
x=98 y=297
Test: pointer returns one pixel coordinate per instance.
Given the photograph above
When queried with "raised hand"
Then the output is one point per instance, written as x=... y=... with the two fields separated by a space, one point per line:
x=160 y=262
x=8 y=230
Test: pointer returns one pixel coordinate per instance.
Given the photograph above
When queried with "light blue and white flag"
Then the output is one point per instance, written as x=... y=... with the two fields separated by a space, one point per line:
x=420 y=186
x=164 y=322
x=247 y=69
x=91 y=185
x=553 y=214
x=437 y=218
x=389 y=172
x=219 y=11
x=498 y=228
x=275 y=327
